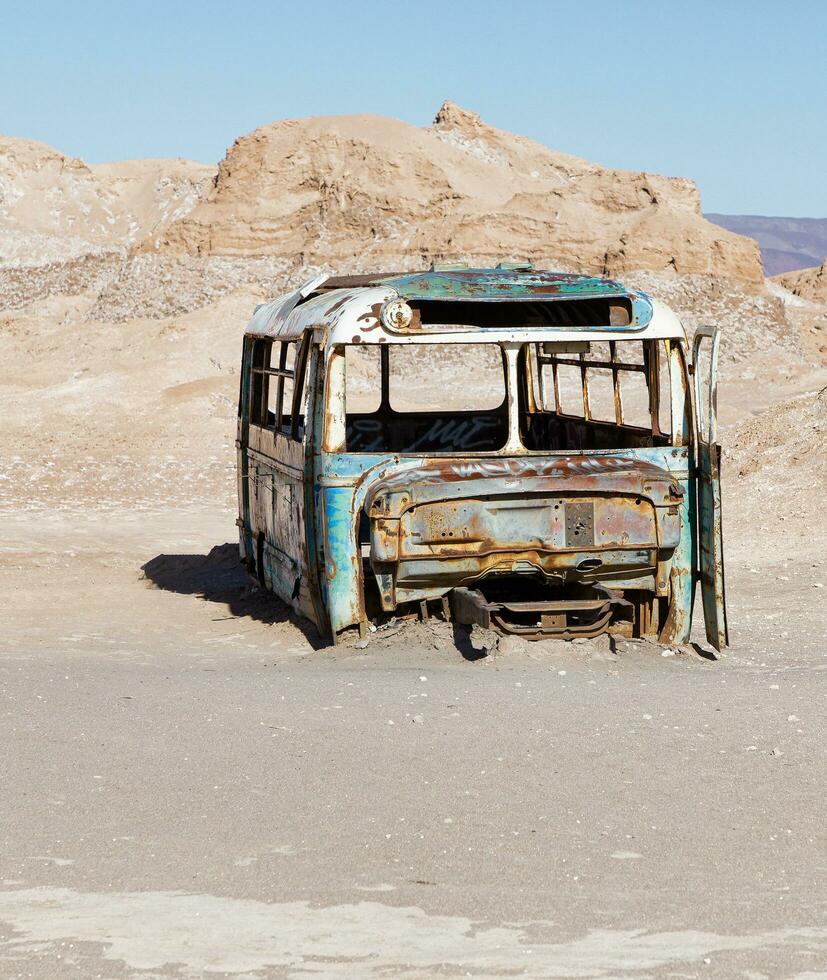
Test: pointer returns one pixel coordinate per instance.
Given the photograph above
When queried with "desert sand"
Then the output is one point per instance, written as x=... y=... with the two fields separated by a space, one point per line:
x=194 y=783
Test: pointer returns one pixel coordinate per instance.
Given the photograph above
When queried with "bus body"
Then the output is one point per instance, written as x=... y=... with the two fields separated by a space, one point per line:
x=516 y=448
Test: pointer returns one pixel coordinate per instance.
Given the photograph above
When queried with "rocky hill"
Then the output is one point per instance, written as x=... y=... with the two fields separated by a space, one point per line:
x=56 y=208
x=160 y=239
x=809 y=284
x=124 y=288
x=365 y=190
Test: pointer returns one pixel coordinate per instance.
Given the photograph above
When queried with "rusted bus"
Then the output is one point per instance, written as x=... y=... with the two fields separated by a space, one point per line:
x=568 y=512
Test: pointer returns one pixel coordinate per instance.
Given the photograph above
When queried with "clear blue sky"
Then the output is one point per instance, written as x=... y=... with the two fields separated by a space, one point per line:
x=732 y=94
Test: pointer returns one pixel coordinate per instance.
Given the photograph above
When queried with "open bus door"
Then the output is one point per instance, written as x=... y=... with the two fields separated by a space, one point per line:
x=708 y=477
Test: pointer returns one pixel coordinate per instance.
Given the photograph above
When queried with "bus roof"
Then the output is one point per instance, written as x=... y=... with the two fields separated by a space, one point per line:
x=464 y=306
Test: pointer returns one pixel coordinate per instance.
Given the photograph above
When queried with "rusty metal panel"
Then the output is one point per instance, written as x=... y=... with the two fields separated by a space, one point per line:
x=276 y=488
x=711 y=545
x=489 y=521
x=443 y=524
x=630 y=311
x=245 y=543
x=579 y=524
x=635 y=548
x=709 y=529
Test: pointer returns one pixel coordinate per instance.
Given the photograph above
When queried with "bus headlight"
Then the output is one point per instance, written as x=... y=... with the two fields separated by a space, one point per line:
x=396 y=315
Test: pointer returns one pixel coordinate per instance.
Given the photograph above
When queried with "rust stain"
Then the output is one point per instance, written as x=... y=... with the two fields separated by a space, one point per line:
x=371 y=317
x=342 y=301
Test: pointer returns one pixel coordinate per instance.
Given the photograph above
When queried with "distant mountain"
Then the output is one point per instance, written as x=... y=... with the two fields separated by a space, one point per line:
x=787 y=244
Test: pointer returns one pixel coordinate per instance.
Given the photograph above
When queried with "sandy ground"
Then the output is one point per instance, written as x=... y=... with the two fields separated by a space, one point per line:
x=192 y=785
x=189 y=787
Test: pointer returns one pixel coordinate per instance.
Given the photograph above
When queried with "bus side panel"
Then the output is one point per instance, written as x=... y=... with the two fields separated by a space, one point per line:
x=245 y=537
x=313 y=510
x=278 y=516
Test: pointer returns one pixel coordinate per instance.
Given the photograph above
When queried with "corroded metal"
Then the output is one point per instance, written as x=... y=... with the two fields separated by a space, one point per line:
x=565 y=619
x=572 y=542
x=442 y=524
x=710 y=531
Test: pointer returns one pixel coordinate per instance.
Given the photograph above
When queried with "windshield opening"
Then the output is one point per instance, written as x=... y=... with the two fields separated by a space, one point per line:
x=425 y=398
x=594 y=395
x=449 y=398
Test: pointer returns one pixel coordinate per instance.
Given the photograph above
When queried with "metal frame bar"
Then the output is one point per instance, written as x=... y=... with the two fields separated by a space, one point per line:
x=616 y=382
x=601 y=364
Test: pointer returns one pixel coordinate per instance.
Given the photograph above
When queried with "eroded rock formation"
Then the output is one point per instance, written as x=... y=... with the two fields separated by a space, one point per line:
x=341 y=191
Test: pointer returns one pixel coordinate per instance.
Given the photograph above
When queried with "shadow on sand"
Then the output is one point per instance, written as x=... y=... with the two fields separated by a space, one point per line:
x=220 y=577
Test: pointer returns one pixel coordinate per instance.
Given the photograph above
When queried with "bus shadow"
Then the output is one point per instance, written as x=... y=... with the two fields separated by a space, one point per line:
x=220 y=577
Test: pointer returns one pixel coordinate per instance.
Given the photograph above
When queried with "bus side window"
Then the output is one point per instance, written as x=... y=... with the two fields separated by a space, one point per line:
x=299 y=406
x=664 y=414
x=287 y=364
x=259 y=382
x=245 y=376
x=284 y=376
x=632 y=361
x=276 y=382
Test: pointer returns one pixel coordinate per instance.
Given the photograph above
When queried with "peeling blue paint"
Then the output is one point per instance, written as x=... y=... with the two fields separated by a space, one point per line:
x=509 y=285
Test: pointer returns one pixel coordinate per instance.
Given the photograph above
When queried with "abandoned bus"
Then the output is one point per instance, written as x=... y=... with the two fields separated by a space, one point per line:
x=509 y=447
